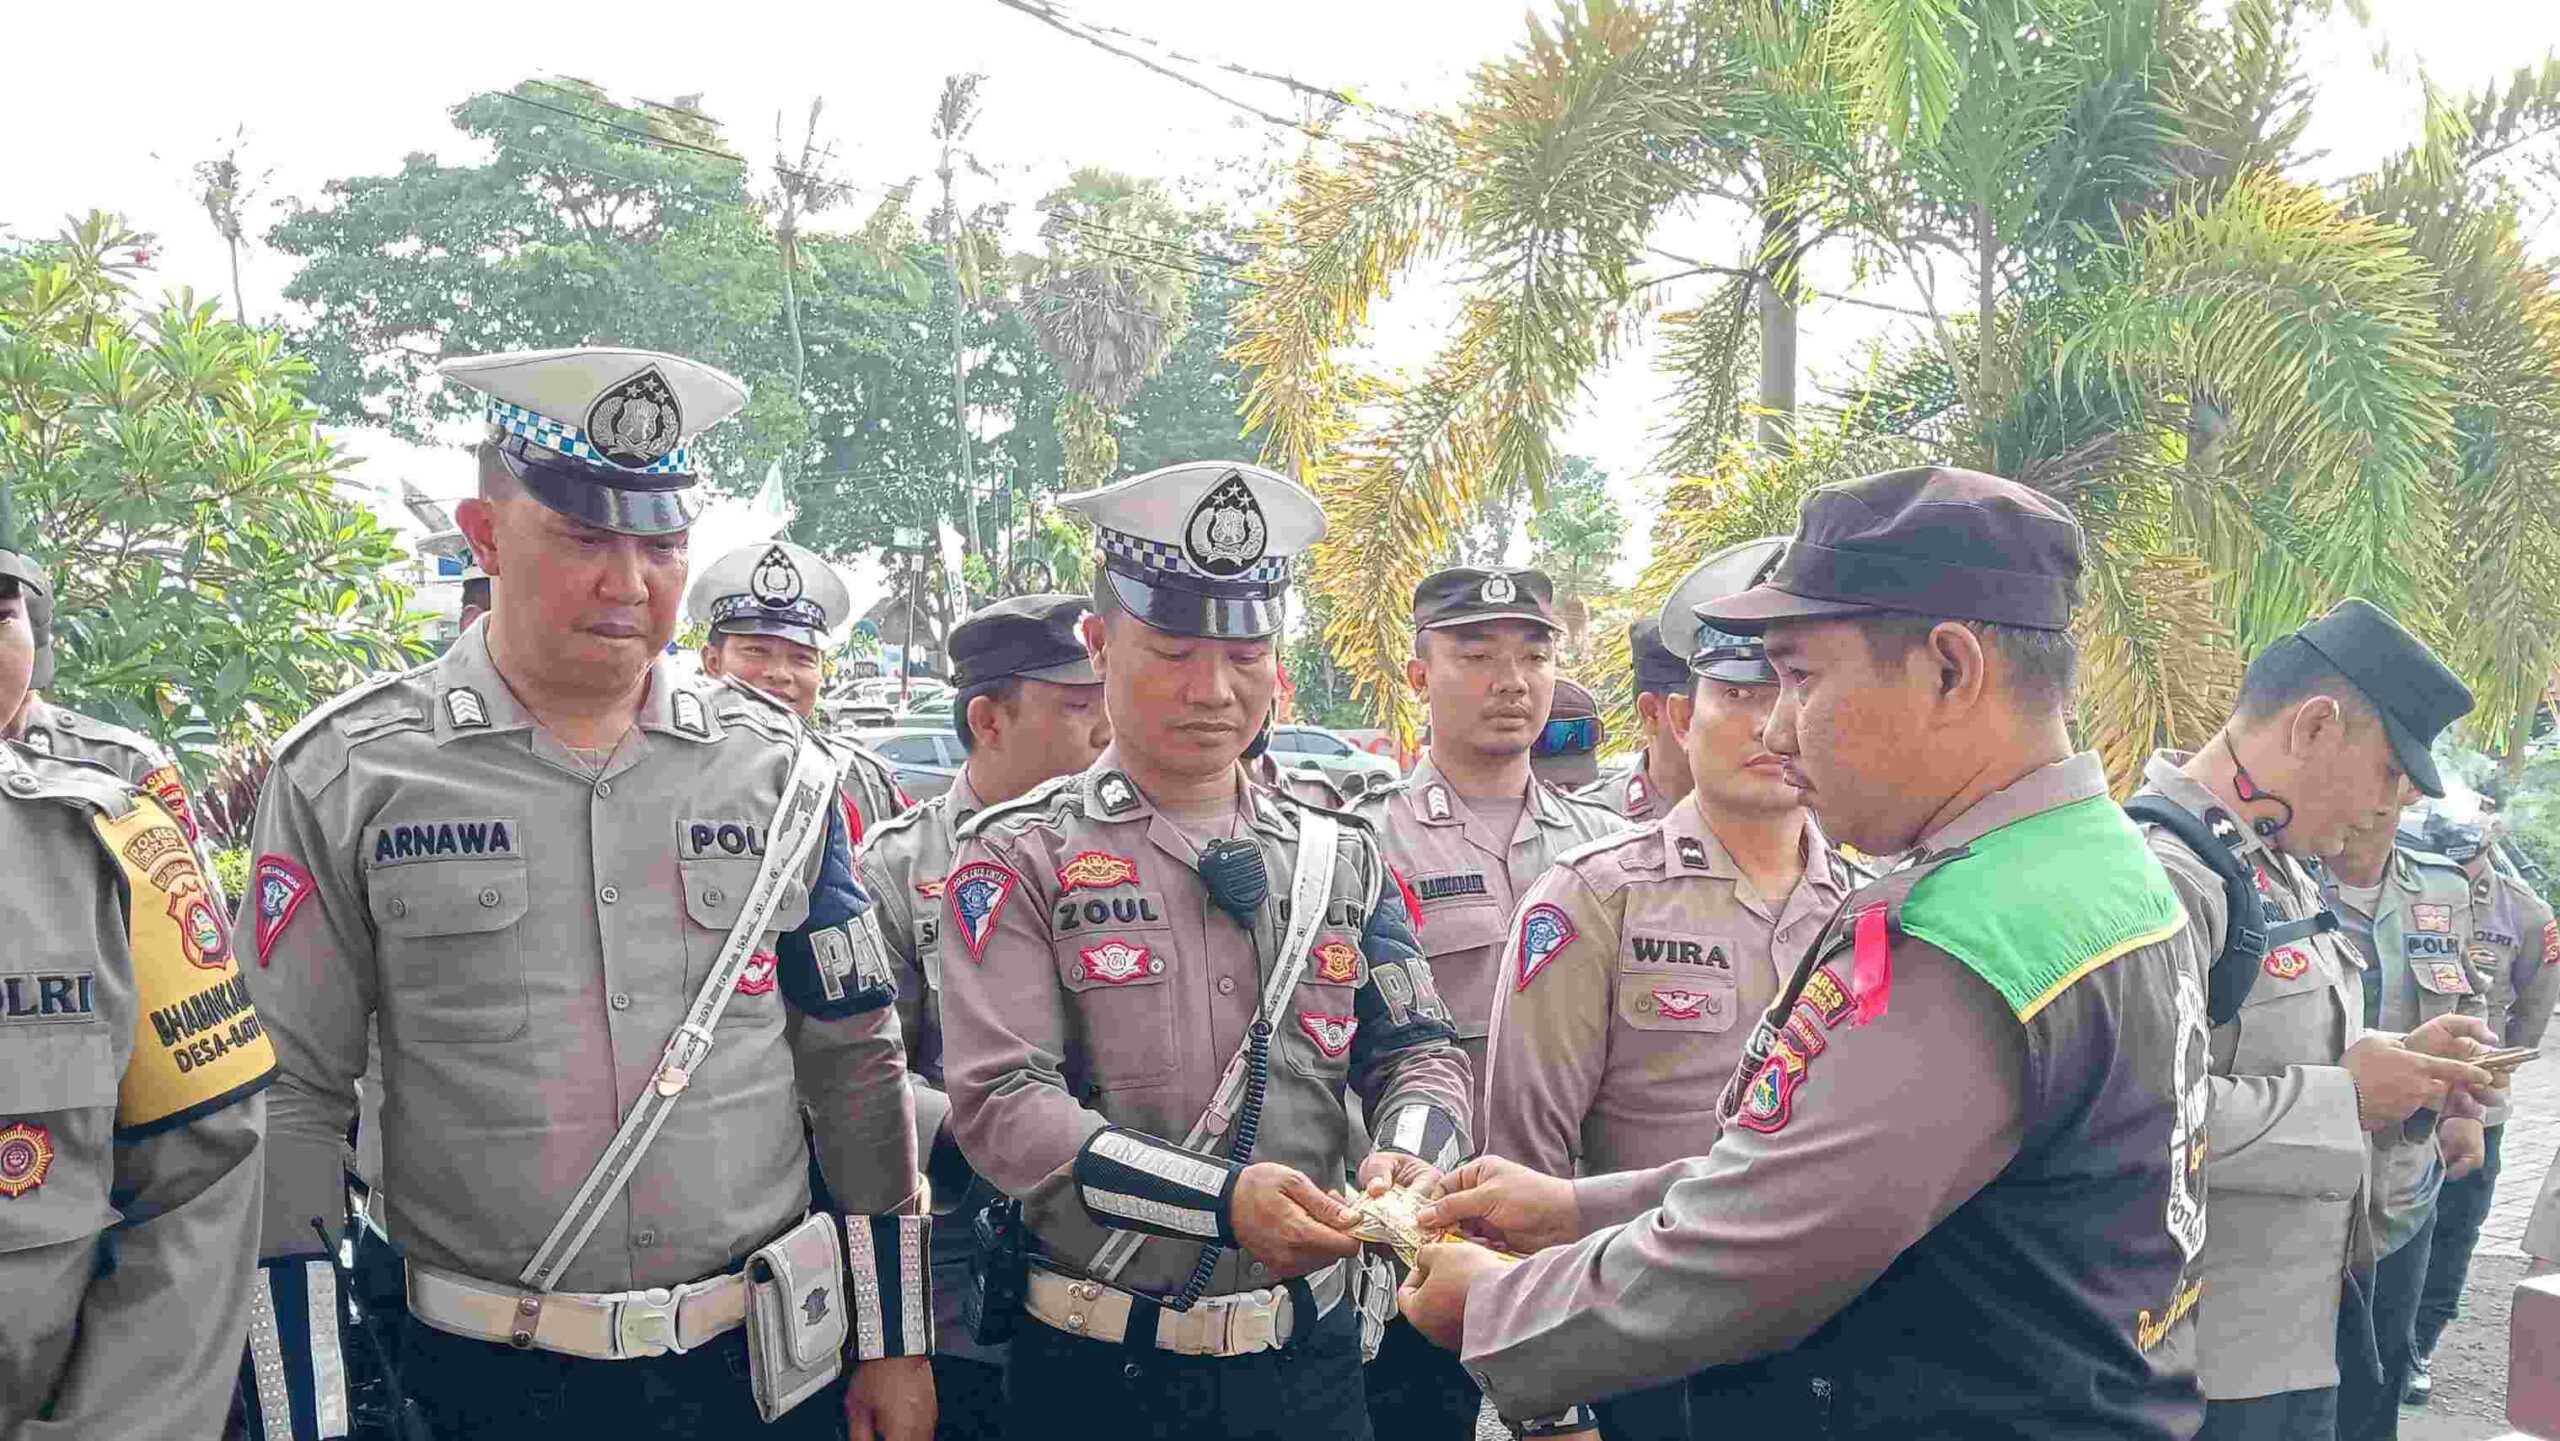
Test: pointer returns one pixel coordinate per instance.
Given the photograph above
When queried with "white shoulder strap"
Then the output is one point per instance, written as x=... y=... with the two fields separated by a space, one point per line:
x=799 y=823
x=1310 y=890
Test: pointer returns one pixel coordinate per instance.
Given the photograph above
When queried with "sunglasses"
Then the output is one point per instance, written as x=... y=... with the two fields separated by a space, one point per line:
x=1568 y=737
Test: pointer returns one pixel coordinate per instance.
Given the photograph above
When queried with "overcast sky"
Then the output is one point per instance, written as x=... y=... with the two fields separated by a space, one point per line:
x=116 y=104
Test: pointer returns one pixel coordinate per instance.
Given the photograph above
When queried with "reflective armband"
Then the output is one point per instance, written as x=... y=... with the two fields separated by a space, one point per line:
x=294 y=1375
x=1130 y=1181
x=888 y=1260
x=1425 y=1131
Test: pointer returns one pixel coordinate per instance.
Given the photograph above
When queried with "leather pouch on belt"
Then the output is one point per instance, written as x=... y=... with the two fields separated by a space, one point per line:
x=795 y=1315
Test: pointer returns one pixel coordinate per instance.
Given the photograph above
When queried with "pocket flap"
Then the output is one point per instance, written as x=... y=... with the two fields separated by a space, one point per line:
x=447 y=898
x=715 y=893
x=66 y=1068
x=1461 y=928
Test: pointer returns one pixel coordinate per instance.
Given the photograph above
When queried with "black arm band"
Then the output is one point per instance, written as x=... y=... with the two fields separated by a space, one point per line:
x=1130 y=1181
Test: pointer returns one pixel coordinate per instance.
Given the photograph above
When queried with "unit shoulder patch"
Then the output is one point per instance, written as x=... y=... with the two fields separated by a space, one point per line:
x=977 y=891
x=278 y=885
x=1544 y=930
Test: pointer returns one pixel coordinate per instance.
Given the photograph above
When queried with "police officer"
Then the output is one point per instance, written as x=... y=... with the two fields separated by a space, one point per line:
x=1469 y=830
x=766 y=608
x=131 y=1072
x=2515 y=954
x=1115 y=949
x=2329 y=721
x=1659 y=779
x=1028 y=707
x=2408 y=915
x=1654 y=942
x=1566 y=754
x=1956 y=1189
x=605 y=917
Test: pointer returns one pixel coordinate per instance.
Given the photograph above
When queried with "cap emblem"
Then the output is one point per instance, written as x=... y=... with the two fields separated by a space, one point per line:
x=636 y=421
x=1499 y=589
x=1226 y=531
x=776 y=581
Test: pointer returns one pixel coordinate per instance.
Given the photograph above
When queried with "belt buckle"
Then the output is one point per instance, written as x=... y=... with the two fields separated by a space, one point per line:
x=1253 y=1323
x=644 y=1323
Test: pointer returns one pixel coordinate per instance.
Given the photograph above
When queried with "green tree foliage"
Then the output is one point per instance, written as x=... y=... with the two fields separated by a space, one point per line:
x=209 y=583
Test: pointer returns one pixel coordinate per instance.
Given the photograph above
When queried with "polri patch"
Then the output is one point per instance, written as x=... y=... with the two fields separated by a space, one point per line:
x=280 y=886
x=1332 y=1034
x=1116 y=962
x=702 y=840
x=1337 y=962
x=26 y=1153
x=2428 y=917
x=2286 y=963
x=977 y=892
x=399 y=842
x=32 y=998
x=1544 y=930
x=1096 y=870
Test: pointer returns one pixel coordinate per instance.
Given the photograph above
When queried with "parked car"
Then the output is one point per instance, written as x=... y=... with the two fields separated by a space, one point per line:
x=1353 y=768
x=873 y=702
x=926 y=759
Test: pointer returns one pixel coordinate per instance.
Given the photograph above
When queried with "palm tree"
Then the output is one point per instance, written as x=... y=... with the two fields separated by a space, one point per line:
x=1108 y=296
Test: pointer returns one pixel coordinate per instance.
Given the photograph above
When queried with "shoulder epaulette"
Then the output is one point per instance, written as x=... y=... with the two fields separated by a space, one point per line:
x=334 y=727
x=906 y=819
x=108 y=731
x=1037 y=798
x=1291 y=798
x=32 y=775
x=1589 y=803
x=744 y=702
x=1601 y=845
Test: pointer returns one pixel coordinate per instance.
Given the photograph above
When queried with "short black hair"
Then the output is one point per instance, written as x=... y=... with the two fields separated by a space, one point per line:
x=2286 y=674
x=1002 y=690
x=2043 y=665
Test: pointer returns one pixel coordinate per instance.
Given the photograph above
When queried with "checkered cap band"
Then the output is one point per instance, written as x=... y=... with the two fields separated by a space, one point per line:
x=1156 y=555
x=746 y=607
x=539 y=429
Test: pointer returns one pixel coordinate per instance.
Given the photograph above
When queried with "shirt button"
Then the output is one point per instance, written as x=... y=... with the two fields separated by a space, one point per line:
x=621 y=1001
x=399 y=907
x=603 y=789
x=645 y=1238
x=1259 y=1270
x=711 y=897
x=1226 y=985
x=608 y=895
x=489 y=897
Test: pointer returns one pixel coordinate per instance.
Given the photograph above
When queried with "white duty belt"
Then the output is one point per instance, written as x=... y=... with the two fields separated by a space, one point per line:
x=612 y=1326
x=1234 y=1325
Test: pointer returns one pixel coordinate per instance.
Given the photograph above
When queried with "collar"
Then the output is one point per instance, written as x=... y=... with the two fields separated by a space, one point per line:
x=1436 y=802
x=2166 y=773
x=1111 y=795
x=2074 y=778
x=964 y=801
x=472 y=699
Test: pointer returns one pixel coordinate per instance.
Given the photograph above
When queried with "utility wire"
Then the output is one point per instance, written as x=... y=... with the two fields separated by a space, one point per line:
x=1053 y=19
x=1290 y=82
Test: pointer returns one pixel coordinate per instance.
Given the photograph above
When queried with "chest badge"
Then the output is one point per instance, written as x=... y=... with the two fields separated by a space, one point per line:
x=2438 y=919
x=26 y=1153
x=756 y=978
x=977 y=892
x=930 y=890
x=464 y=710
x=2449 y=978
x=1096 y=870
x=1337 y=962
x=2287 y=963
x=1332 y=1034
x=1117 y=963
x=1544 y=930
x=1674 y=1003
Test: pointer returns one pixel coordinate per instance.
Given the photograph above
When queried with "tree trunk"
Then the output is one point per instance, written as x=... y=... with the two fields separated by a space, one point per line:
x=239 y=302
x=1773 y=288
x=959 y=368
x=1986 y=295
x=2511 y=764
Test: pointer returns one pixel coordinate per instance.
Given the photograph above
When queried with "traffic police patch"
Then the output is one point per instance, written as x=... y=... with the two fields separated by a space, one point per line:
x=2287 y=963
x=1544 y=930
x=1337 y=962
x=464 y=710
x=1096 y=870
x=1116 y=963
x=280 y=887
x=1332 y=1034
x=756 y=978
x=2431 y=918
x=1115 y=793
x=977 y=891
x=636 y=421
x=1226 y=532
x=26 y=1153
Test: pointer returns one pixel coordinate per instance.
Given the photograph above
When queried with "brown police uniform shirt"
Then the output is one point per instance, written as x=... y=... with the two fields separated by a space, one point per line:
x=1885 y=1131
x=528 y=931
x=140 y=761
x=2516 y=953
x=871 y=791
x=1633 y=975
x=2287 y=1168
x=1633 y=795
x=128 y=1187
x=1467 y=880
x=1087 y=981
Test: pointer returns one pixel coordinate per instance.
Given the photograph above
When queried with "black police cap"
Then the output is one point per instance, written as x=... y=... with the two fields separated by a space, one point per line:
x=2417 y=694
x=1031 y=636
